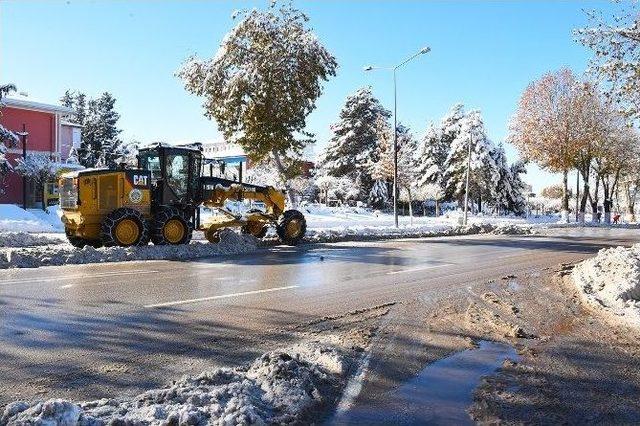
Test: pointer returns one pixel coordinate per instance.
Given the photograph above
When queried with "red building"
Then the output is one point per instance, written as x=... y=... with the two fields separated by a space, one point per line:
x=48 y=132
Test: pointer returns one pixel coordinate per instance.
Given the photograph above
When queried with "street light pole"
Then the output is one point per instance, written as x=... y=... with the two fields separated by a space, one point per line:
x=395 y=127
x=466 y=188
x=395 y=149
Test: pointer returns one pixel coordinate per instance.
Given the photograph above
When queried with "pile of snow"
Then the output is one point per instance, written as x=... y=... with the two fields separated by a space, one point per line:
x=513 y=229
x=364 y=233
x=50 y=217
x=611 y=281
x=13 y=218
x=25 y=239
x=280 y=387
x=64 y=254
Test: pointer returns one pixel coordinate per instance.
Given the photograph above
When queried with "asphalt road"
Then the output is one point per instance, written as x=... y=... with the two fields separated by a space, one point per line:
x=91 y=331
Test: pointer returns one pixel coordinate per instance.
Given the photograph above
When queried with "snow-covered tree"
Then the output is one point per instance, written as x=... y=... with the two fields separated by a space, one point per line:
x=615 y=42
x=379 y=193
x=483 y=174
x=407 y=176
x=37 y=167
x=353 y=150
x=509 y=190
x=7 y=137
x=100 y=131
x=380 y=165
x=324 y=184
x=431 y=157
x=430 y=191
x=263 y=82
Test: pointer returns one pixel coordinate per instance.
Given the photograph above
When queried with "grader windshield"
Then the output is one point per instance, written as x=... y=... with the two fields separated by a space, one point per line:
x=174 y=173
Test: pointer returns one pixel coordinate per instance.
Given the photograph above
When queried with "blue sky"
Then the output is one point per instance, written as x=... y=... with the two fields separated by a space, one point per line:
x=483 y=55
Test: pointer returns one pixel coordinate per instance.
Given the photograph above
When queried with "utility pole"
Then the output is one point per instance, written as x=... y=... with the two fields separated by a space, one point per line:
x=466 y=190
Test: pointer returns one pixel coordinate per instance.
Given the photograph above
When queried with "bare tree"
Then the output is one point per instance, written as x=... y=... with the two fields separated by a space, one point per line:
x=546 y=127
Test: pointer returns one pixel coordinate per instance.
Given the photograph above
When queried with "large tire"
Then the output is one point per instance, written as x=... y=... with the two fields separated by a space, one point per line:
x=291 y=227
x=124 y=227
x=171 y=226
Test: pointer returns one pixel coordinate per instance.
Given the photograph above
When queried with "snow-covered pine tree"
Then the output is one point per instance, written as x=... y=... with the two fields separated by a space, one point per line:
x=518 y=187
x=407 y=170
x=483 y=171
x=432 y=154
x=503 y=193
x=380 y=169
x=352 y=148
x=100 y=133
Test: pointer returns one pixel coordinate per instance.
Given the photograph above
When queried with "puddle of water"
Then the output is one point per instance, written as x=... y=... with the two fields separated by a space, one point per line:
x=514 y=285
x=439 y=394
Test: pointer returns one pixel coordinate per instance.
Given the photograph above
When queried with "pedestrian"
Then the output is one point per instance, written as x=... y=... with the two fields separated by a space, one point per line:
x=616 y=218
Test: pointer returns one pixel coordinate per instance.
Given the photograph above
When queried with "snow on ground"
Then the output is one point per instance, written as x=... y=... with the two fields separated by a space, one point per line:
x=63 y=254
x=280 y=387
x=15 y=219
x=611 y=281
x=25 y=239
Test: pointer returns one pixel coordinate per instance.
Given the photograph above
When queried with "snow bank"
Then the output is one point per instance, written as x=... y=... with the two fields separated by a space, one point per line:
x=13 y=218
x=25 y=239
x=611 y=281
x=63 y=254
x=364 y=233
x=280 y=387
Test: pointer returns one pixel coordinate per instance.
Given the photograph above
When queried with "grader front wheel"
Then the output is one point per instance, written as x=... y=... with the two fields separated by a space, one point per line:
x=124 y=227
x=291 y=227
x=171 y=227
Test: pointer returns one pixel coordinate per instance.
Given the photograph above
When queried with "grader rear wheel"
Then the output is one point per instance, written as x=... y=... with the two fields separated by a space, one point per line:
x=291 y=227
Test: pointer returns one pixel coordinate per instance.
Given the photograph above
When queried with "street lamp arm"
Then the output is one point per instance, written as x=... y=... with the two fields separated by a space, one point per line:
x=421 y=52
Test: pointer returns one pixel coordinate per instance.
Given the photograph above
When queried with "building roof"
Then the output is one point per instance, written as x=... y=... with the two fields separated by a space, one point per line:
x=27 y=103
x=70 y=124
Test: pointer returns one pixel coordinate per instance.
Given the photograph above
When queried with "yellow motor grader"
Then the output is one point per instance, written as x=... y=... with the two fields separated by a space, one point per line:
x=160 y=202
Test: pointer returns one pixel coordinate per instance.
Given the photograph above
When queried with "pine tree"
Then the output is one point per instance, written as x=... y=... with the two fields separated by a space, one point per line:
x=352 y=148
x=100 y=134
x=483 y=171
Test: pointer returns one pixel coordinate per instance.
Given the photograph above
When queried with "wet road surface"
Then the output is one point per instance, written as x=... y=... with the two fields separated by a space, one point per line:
x=89 y=331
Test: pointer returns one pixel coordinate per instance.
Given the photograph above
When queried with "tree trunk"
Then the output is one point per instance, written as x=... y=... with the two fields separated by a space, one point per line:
x=585 y=196
x=565 y=196
x=437 y=208
x=595 y=200
x=283 y=176
x=410 y=207
x=479 y=204
x=631 y=202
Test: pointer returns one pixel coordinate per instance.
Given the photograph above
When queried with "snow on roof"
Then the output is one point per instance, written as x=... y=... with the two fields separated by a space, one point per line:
x=71 y=124
x=28 y=103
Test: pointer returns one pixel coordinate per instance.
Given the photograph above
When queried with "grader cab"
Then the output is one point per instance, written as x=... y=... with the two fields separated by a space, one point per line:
x=160 y=202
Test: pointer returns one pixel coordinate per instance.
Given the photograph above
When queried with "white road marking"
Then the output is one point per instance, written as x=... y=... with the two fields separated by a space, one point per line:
x=222 y=296
x=421 y=268
x=66 y=286
x=87 y=275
